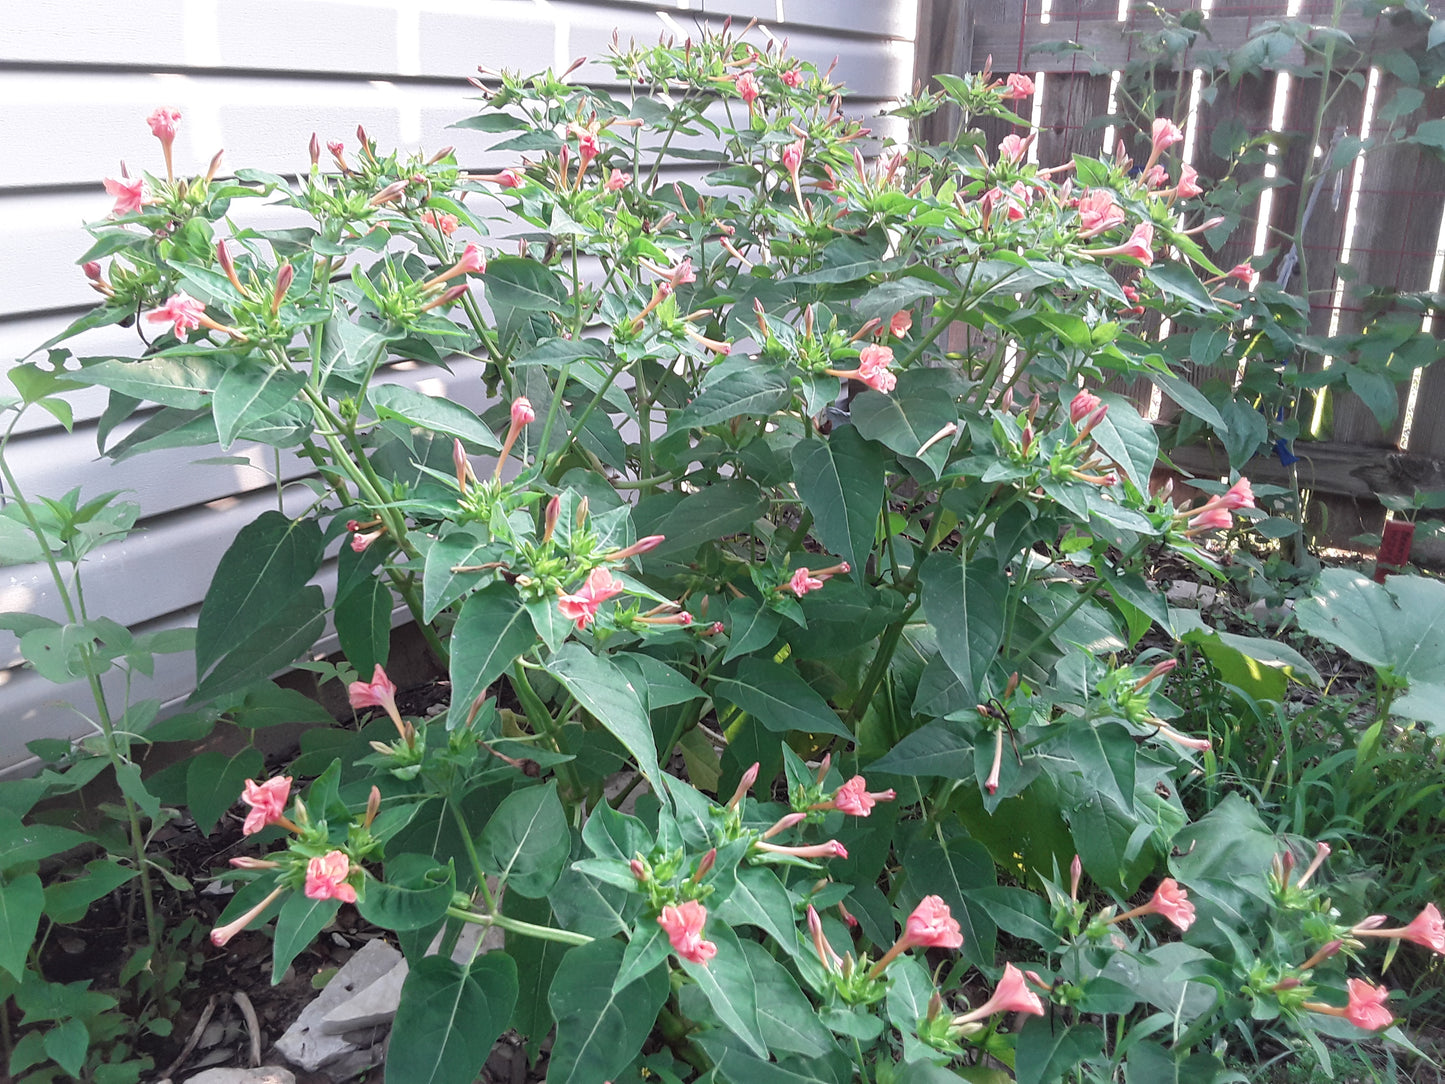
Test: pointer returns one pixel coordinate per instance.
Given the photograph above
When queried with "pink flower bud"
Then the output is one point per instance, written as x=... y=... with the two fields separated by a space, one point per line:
x=522 y=412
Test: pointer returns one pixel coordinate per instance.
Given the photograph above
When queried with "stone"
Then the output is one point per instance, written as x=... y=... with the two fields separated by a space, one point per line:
x=305 y=1044
x=267 y=1074
x=375 y=1004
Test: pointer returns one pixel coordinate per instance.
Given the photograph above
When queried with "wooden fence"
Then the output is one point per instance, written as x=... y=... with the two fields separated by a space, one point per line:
x=1382 y=219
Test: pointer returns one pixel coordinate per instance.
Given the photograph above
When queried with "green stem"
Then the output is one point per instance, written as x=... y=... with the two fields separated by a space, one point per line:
x=542 y=720
x=515 y=925
x=1043 y=637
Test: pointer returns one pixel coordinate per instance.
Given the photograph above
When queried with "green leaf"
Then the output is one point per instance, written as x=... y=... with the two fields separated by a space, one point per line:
x=1399 y=625
x=295 y=626
x=1128 y=439
x=661 y=685
x=599 y=1032
x=127 y=774
x=491 y=632
x=744 y=391
x=777 y=696
x=268 y=563
x=759 y=899
x=846 y=260
x=1190 y=399
x=537 y=962
x=1430 y=133
x=363 y=625
x=440 y=585
x=1047 y=1050
x=449 y=1017
x=268 y=704
x=67 y=1044
x=214 y=781
x=907 y=418
x=247 y=394
x=788 y=1019
x=1178 y=281
x=935 y=749
x=965 y=606
x=1377 y=391
x=604 y=691
x=300 y=920
x=728 y=983
x=21 y=843
x=22 y=899
x=1105 y=754
x=646 y=951
x=1019 y=912
x=431 y=412
x=526 y=842
x=348 y=350
x=751 y=626
x=67 y=901
x=840 y=479
x=416 y=893
x=953 y=872
x=518 y=287
x=687 y=520
x=185 y=382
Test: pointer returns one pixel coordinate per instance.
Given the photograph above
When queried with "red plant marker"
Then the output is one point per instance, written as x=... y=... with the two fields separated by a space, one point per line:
x=1394 y=548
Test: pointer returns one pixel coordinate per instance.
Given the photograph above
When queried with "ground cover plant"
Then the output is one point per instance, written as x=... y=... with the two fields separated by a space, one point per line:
x=799 y=469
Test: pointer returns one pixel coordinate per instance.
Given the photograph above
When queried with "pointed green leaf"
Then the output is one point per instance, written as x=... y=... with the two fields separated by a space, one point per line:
x=363 y=625
x=965 y=606
x=420 y=410
x=247 y=394
x=441 y=586
x=751 y=626
x=67 y=1044
x=491 y=632
x=744 y=391
x=646 y=951
x=214 y=782
x=300 y=920
x=599 y=1032
x=296 y=625
x=21 y=900
x=728 y=983
x=605 y=692
x=777 y=696
x=841 y=481
x=789 y=1021
x=1047 y=1050
x=526 y=842
x=907 y=418
x=183 y=382
x=449 y=1017
x=953 y=872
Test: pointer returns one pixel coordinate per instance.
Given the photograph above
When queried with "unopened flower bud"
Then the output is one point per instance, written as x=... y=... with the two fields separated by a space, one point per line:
x=92 y=270
x=373 y=806
x=639 y=870
x=704 y=865
x=315 y=149
x=554 y=511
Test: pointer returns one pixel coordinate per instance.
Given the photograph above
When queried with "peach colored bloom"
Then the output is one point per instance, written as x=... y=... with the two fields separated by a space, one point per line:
x=991 y=783
x=900 y=323
x=1015 y=87
x=1012 y=994
x=1140 y=245
x=182 y=311
x=830 y=849
x=802 y=582
x=1172 y=901
x=267 y=801
x=473 y=260
x=932 y=925
x=1098 y=212
x=873 y=362
x=1188 y=185
x=507 y=178
x=1164 y=133
x=522 y=412
x=854 y=798
x=1367 y=1006
x=1082 y=405
x=1239 y=495
x=1426 y=929
x=163 y=123
x=748 y=89
x=1247 y=276
x=617 y=181
x=362 y=539
x=1212 y=518
x=379 y=692
x=1012 y=147
x=582 y=607
x=326 y=878
x=440 y=220
x=683 y=925
x=1156 y=176
x=130 y=194
x=793 y=156
x=793 y=77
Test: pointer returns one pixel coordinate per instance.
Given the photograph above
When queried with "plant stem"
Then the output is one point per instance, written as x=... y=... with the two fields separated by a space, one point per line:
x=515 y=925
x=543 y=721
x=1083 y=597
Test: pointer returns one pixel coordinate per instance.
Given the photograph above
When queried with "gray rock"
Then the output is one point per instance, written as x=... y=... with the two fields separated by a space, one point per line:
x=375 y=1004
x=305 y=1043
x=267 y=1074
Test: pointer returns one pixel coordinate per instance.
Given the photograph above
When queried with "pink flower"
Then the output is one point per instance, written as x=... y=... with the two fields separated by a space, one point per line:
x=683 y=273
x=1012 y=994
x=1098 y=212
x=1140 y=245
x=831 y=849
x=130 y=194
x=326 y=878
x=163 y=124
x=900 y=323
x=748 y=89
x=793 y=77
x=1188 y=185
x=1172 y=901
x=683 y=925
x=617 y=181
x=587 y=148
x=873 y=362
x=1211 y=518
x=1164 y=134
x=379 y=692
x=932 y=925
x=1015 y=87
x=1020 y=198
x=1425 y=929
x=854 y=799
x=473 y=260
x=1012 y=147
x=583 y=606
x=507 y=178
x=182 y=311
x=446 y=223
x=793 y=156
x=267 y=801
x=1367 y=1006
x=362 y=539
x=1239 y=495
x=1156 y=176
x=802 y=583
x=1082 y=405
x=1247 y=276
x=522 y=412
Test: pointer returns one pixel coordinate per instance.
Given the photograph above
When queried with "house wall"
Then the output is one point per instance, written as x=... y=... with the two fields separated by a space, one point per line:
x=77 y=79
